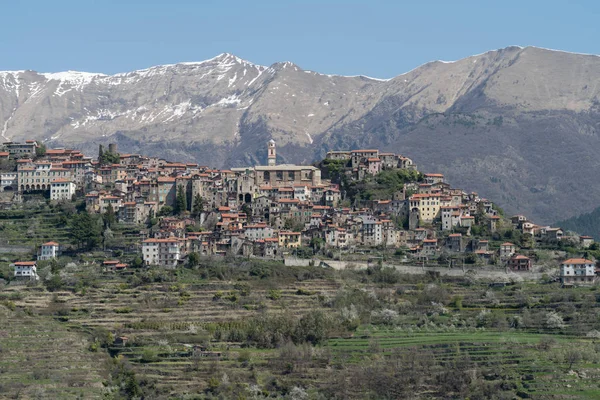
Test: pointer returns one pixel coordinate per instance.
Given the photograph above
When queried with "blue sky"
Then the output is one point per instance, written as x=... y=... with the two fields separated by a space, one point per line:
x=376 y=38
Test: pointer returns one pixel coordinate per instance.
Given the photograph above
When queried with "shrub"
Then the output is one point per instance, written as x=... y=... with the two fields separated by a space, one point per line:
x=274 y=294
x=304 y=292
x=149 y=355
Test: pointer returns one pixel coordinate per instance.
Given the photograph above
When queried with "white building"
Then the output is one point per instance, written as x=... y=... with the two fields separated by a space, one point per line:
x=8 y=181
x=25 y=269
x=258 y=232
x=48 y=251
x=62 y=189
x=39 y=176
x=577 y=271
x=371 y=231
x=163 y=252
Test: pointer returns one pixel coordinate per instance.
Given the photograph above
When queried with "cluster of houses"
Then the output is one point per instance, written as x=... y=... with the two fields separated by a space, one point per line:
x=267 y=210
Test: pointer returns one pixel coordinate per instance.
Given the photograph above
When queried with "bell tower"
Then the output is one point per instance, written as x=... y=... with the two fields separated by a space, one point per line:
x=272 y=155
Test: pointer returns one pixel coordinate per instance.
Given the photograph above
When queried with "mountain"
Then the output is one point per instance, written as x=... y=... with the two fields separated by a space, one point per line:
x=518 y=125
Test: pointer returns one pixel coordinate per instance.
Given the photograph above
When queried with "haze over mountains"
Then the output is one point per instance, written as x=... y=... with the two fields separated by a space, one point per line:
x=518 y=125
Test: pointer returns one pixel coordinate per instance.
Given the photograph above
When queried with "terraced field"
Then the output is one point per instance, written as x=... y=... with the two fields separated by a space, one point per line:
x=234 y=328
x=42 y=358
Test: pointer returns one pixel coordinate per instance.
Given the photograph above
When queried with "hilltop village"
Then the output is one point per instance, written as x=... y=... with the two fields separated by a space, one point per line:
x=352 y=203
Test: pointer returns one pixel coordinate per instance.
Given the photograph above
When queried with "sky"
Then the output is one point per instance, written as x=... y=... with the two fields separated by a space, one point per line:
x=375 y=38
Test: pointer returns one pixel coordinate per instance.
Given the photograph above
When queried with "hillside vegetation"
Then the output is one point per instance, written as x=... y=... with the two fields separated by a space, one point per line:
x=586 y=224
x=234 y=328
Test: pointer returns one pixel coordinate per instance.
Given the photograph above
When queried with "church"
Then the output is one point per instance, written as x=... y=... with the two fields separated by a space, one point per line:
x=283 y=175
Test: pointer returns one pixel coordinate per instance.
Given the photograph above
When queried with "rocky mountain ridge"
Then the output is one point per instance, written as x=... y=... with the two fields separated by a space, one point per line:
x=518 y=125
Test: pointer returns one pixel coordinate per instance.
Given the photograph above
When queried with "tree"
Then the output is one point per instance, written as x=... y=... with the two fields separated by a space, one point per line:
x=40 y=150
x=137 y=262
x=109 y=216
x=572 y=356
x=317 y=243
x=197 y=206
x=108 y=237
x=312 y=327
x=293 y=224
x=193 y=260
x=180 y=201
x=164 y=211
x=554 y=320
x=86 y=230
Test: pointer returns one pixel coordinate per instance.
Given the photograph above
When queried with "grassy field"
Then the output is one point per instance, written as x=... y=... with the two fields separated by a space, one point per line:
x=250 y=329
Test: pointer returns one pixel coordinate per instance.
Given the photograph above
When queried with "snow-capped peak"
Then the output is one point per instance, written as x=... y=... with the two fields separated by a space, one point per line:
x=71 y=76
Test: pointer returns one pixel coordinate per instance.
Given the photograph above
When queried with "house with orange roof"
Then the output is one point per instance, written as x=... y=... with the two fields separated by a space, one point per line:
x=578 y=271
x=426 y=206
x=519 y=262
x=360 y=156
x=25 y=269
x=48 y=251
x=289 y=240
x=507 y=249
x=373 y=165
x=434 y=178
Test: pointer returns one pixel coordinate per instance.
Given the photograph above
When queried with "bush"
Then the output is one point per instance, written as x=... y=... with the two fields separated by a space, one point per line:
x=244 y=356
x=312 y=328
x=274 y=294
x=149 y=355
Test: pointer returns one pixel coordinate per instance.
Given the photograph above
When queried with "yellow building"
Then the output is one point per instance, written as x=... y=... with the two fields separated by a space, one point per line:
x=428 y=206
x=289 y=240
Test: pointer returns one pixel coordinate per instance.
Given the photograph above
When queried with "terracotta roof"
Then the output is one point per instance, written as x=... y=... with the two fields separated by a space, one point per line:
x=50 y=244
x=25 y=263
x=165 y=179
x=577 y=261
x=167 y=240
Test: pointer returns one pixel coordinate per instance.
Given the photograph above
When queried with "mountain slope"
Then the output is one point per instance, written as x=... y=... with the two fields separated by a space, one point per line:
x=585 y=224
x=519 y=125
